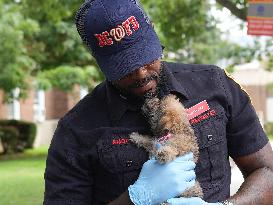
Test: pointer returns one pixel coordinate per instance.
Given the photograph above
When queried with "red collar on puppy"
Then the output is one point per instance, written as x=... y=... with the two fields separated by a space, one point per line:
x=165 y=137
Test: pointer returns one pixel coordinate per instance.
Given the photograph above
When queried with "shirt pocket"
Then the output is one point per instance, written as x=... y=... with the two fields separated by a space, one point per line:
x=211 y=167
x=120 y=157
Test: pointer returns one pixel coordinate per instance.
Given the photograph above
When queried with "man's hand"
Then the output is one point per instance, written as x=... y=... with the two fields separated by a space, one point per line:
x=189 y=201
x=159 y=182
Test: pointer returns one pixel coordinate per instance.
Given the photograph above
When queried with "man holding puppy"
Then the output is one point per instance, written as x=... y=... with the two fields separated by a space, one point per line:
x=91 y=160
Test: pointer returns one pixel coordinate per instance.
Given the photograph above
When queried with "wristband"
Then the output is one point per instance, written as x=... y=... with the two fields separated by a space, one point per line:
x=226 y=202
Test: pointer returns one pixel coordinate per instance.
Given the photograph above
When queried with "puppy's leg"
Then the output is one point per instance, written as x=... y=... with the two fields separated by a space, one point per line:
x=142 y=141
x=166 y=154
x=195 y=191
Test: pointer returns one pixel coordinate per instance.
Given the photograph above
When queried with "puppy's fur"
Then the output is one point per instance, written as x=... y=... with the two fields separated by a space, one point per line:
x=168 y=117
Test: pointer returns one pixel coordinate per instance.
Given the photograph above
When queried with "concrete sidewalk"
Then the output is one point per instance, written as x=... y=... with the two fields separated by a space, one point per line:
x=236 y=177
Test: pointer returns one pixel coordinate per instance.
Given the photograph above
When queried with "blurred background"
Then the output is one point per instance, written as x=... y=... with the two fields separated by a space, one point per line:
x=45 y=70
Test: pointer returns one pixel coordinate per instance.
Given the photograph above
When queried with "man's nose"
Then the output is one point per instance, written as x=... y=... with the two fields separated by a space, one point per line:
x=139 y=73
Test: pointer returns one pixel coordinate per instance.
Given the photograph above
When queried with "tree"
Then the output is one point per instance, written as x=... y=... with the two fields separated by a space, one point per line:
x=15 y=63
x=36 y=37
x=237 y=7
x=263 y=52
x=47 y=42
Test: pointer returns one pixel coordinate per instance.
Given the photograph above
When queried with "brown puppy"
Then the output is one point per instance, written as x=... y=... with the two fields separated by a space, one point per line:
x=171 y=128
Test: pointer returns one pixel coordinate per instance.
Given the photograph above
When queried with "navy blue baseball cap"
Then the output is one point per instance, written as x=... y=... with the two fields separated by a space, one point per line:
x=119 y=35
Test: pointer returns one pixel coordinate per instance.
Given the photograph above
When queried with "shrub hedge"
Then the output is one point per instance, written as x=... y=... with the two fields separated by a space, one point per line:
x=17 y=135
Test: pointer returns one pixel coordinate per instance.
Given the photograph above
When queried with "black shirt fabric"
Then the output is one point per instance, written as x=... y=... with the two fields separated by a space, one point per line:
x=91 y=162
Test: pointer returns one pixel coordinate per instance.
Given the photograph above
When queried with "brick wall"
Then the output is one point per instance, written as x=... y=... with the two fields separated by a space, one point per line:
x=58 y=103
x=26 y=107
x=258 y=95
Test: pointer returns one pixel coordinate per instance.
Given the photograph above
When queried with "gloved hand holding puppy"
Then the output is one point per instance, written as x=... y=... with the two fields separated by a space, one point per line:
x=162 y=182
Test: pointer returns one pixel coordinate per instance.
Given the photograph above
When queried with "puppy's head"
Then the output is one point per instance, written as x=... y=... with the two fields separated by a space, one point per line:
x=174 y=117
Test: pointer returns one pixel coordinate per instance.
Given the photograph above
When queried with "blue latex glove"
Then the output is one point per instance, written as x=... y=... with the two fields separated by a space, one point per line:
x=189 y=201
x=159 y=182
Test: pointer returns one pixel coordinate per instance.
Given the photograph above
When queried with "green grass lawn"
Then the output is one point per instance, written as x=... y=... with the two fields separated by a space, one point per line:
x=21 y=178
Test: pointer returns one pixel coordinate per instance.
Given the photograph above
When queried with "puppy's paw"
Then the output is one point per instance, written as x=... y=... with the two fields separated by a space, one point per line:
x=166 y=154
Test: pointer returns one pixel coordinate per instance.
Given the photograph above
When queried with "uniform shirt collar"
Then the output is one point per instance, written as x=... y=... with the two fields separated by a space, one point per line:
x=118 y=104
x=172 y=84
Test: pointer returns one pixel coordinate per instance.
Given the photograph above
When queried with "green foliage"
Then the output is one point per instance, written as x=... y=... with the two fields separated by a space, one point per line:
x=17 y=135
x=258 y=51
x=8 y=136
x=187 y=30
x=269 y=87
x=269 y=129
x=15 y=63
x=39 y=41
x=58 y=42
x=268 y=52
x=65 y=77
x=230 y=69
x=177 y=22
x=207 y=48
x=27 y=131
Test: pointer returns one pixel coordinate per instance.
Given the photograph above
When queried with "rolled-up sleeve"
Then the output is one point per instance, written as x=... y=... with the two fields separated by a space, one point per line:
x=68 y=178
x=245 y=134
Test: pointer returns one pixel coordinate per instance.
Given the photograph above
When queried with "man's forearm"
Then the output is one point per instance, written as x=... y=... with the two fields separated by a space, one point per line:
x=256 y=189
x=123 y=199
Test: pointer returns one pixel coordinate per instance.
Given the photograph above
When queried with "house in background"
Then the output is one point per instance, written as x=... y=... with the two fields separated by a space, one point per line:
x=43 y=108
x=254 y=79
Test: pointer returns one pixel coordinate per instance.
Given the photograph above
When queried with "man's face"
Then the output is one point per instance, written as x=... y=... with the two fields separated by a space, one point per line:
x=141 y=81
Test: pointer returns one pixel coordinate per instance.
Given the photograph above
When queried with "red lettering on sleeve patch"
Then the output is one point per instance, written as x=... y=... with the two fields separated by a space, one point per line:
x=197 y=109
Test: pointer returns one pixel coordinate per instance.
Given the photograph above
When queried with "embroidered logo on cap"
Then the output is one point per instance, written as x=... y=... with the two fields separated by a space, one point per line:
x=117 y=34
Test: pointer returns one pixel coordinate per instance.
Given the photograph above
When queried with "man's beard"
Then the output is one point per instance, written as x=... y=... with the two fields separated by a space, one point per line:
x=149 y=94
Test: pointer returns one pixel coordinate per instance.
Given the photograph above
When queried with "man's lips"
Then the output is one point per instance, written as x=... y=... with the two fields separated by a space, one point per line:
x=145 y=87
x=143 y=83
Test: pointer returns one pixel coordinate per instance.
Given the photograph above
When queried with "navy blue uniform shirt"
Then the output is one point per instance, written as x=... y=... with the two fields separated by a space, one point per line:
x=91 y=162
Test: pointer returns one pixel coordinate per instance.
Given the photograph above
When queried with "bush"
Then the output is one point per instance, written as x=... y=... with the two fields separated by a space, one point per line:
x=269 y=128
x=9 y=138
x=18 y=134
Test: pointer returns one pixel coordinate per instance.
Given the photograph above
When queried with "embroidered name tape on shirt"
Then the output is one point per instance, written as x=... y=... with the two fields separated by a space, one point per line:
x=203 y=117
x=197 y=109
x=120 y=141
x=117 y=34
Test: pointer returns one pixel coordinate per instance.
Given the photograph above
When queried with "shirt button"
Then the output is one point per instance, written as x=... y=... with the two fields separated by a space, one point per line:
x=129 y=163
x=210 y=138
